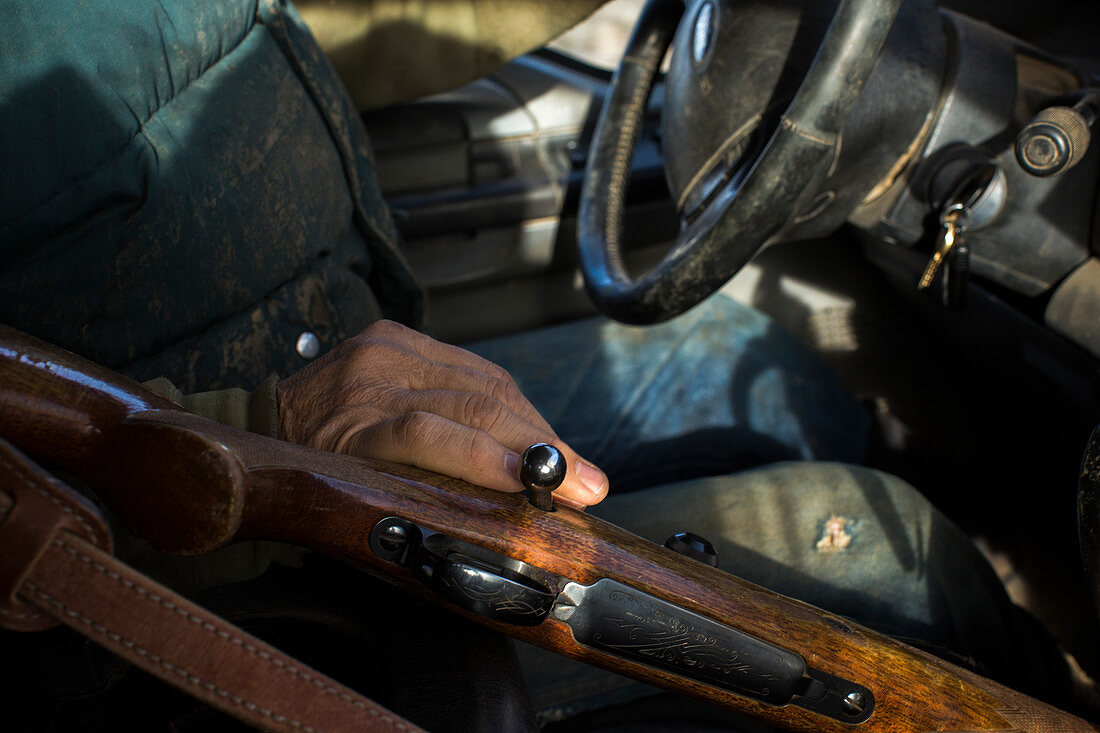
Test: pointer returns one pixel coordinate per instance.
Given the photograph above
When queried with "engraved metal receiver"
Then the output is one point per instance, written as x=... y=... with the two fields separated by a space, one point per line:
x=629 y=623
x=618 y=620
x=478 y=580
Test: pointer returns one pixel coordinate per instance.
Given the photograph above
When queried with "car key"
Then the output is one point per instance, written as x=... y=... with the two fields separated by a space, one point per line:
x=953 y=221
x=956 y=272
x=954 y=218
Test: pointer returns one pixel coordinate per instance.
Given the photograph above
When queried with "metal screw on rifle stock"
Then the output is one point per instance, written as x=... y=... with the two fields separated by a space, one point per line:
x=393 y=538
x=853 y=703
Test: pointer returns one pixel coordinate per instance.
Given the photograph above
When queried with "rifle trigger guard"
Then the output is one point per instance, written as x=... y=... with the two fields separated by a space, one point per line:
x=478 y=580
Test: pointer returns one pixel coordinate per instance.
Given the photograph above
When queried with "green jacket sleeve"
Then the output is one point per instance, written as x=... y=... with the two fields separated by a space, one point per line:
x=256 y=411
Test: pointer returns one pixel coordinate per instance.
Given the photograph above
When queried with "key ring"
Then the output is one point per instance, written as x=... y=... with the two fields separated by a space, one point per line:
x=956 y=216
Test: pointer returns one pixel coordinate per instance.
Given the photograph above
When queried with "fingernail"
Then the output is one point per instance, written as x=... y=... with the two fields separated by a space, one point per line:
x=511 y=464
x=592 y=477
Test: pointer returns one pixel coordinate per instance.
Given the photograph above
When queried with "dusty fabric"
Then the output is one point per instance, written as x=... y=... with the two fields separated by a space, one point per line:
x=718 y=389
x=388 y=51
x=186 y=190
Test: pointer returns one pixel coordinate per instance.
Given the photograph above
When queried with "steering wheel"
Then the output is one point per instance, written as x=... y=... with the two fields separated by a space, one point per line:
x=756 y=96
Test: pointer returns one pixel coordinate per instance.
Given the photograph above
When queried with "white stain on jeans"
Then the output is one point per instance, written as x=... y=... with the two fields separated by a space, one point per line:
x=835 y=537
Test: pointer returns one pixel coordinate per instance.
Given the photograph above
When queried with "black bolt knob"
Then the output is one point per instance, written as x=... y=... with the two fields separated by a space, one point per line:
x=1053 y=142
x=541 y=471
x=694 y=546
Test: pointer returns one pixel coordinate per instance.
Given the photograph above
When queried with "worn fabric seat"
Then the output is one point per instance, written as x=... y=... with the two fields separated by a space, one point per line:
x=857 y=542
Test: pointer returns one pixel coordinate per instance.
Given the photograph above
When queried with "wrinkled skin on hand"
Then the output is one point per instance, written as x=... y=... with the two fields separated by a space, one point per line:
x=394 y=394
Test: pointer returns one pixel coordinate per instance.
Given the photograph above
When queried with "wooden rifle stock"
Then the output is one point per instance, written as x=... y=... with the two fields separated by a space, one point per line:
x=188 y=485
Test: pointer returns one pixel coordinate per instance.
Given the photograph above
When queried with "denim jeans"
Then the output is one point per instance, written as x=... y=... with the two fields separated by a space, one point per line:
x=723 y=389
x=719 y=389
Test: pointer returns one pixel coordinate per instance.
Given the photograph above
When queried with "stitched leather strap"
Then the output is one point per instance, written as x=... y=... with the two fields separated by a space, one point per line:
x=51 y=568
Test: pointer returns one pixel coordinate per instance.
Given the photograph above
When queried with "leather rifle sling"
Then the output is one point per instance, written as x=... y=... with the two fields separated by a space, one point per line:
x=56 y=565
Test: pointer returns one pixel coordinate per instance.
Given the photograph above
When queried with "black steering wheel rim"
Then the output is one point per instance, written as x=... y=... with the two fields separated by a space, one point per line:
x=746 y=212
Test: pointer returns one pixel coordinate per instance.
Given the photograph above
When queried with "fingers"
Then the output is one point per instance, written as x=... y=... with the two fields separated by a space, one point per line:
x=481 y=412
x=437 y=351
x=584 y=483
x=459 y=379
x=394 y=394
x=570 y=503
x=435 y=443
x=472 y=437
x=437 y=365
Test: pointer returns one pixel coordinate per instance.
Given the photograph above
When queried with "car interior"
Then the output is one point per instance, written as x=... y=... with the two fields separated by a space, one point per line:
x=984 y=401
x=940 y=251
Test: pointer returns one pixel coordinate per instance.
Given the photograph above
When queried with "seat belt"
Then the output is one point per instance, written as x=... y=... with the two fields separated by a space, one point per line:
x=56 y=566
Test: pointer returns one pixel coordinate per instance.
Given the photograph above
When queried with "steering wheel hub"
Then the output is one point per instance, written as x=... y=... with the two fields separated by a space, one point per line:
x=726 y=96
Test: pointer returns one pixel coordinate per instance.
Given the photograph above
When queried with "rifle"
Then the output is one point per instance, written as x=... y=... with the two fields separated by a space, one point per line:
x=559 y=579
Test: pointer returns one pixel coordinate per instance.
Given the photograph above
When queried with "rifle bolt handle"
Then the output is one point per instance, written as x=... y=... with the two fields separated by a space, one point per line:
x=542 y=470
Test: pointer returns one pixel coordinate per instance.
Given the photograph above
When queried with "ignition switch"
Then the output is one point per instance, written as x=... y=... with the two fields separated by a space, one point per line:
x=968 y=192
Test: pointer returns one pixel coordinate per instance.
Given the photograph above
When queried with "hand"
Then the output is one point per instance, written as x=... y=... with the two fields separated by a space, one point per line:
x=393 y=394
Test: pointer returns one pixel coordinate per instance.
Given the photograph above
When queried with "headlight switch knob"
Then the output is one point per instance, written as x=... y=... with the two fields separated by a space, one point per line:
x=1058 y=137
